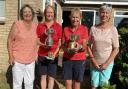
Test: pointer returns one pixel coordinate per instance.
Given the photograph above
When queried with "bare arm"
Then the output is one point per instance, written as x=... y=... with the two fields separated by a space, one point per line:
x=94 y=62
x=113 y=55
x=11 y=38
x=115 y=50
x=83 y=46
x=56 y=51
x=39 y=42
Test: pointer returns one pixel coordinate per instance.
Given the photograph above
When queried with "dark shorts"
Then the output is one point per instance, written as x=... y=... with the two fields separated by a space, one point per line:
x=73 y=69
x=47 y=67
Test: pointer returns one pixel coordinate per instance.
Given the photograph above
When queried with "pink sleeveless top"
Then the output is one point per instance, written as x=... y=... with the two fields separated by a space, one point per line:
x=25 y=44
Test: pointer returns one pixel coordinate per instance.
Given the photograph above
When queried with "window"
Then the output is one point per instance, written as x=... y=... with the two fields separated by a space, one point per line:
x=46 y=2
x=2 y=11
x=121 y=19
x=88 y=17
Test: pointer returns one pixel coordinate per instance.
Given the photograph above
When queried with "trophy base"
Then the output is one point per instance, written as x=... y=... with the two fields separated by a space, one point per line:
x=49 y=58
x=72 y=50
x=48 y=45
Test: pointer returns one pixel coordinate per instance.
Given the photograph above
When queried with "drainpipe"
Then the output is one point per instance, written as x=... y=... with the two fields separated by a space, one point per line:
x=19 y=7
x=43 y=4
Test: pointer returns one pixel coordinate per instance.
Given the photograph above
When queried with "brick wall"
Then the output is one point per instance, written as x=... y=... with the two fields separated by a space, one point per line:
x=11 y=15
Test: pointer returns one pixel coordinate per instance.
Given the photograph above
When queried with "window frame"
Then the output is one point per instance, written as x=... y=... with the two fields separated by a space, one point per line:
x=115 y=15
x=94 y=12
x=2 y=18
x=120 y=16
x=96 y=2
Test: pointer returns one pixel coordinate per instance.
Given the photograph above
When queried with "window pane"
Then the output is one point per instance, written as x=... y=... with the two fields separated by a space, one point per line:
x=47 y=2
x=87 y=18
x=121 y=13
x=121 y=22
x=2 y=8
x=66 y=18
x=97 y=19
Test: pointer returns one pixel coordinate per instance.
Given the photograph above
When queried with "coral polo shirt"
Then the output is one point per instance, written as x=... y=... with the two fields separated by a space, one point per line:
x=82 y=31
x=42 y=35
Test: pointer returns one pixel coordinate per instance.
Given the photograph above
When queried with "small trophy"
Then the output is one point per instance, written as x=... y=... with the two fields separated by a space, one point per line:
x=50 y=55
x=49 y=39
x=73 y=39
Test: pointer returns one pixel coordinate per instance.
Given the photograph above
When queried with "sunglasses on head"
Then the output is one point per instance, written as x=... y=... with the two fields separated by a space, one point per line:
x=108 y=5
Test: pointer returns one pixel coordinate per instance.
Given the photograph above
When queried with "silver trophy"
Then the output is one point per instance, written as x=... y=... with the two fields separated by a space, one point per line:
x=49 y=40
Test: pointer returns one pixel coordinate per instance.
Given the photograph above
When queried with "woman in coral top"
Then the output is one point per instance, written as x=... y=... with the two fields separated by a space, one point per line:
x=105 y=47
x=22 y=48
x=74 y=42
x=49 y=35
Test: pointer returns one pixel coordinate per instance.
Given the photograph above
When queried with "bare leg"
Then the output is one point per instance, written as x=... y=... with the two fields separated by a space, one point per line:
x=50 y=82
x=68 y=84
x=43 y=82
x=94 y=88
x=77 y=85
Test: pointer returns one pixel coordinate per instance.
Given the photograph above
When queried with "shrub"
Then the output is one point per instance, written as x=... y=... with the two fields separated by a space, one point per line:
x=121 y=62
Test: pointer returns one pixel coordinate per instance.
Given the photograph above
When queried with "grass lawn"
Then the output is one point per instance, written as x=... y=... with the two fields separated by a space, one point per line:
x=3 y=82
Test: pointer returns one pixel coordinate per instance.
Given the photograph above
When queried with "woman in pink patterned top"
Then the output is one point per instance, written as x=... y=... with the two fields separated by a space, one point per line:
x=22 y=48
x=105 y=47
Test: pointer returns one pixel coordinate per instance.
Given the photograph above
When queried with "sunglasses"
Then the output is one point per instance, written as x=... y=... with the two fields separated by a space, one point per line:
x=107 y=5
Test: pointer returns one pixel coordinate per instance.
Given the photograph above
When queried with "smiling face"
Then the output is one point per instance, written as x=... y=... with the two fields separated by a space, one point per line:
x=27 y=14
x=75 y=18
x=105 y=15
x=49 y=13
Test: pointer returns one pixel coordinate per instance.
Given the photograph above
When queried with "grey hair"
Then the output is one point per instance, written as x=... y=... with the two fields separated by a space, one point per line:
x=107 y=7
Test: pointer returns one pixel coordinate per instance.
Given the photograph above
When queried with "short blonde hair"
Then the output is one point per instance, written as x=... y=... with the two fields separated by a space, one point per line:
x=75 y=10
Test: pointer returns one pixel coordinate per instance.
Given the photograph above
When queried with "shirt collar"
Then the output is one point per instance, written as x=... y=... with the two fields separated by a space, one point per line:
x=70 y=28
x=54 y=24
